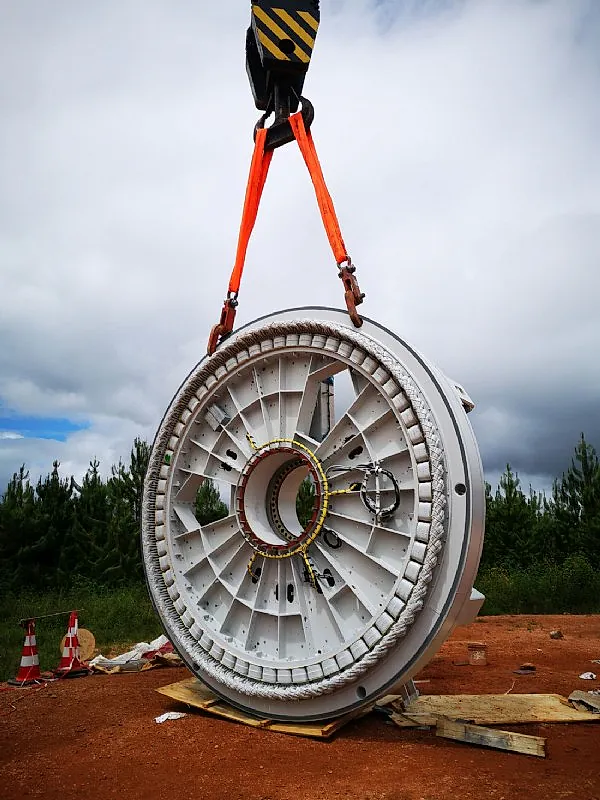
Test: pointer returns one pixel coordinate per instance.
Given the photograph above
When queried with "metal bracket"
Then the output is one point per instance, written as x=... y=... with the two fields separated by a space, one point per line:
x=224 y=327
x=353 y=295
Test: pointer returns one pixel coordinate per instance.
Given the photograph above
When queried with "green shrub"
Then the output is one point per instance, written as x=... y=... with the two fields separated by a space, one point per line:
x=547 y=588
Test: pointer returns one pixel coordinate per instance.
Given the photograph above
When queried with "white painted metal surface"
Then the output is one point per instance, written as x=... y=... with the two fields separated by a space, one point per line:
x=309 y=622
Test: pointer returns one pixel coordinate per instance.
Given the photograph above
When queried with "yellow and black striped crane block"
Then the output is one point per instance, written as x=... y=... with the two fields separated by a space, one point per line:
x=279 y=46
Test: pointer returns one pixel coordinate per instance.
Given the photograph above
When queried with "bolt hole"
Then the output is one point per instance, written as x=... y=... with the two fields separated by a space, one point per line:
x=226 y=467
x=361 y=692
x=460 y=489
x=286 y=46
x=231 y=454
x=329 y=577
x=331 y=539
x=290 y=593
x=354 y=453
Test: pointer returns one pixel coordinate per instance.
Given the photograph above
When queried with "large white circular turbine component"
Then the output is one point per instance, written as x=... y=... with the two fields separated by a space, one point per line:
x=310 y=620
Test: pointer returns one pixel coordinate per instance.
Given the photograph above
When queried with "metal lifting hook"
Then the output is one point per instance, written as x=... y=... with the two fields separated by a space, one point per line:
x=280 y=132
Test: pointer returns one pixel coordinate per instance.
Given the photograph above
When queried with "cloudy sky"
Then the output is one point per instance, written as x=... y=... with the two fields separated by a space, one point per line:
x=460 y=143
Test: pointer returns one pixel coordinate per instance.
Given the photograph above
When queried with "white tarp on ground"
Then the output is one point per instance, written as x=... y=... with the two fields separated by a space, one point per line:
x=139 y=656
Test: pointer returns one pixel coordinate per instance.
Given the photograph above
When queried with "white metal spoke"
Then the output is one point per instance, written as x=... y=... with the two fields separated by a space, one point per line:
x=358 y=584
x=237 y=621
x=185 y=513
x=221 y=553
x=369 y=545
x=234 y=572
x=343 y=602
x=189 y=488
x=344 y=443
x=307 y=621
x=307 y=407
x=320 y=369
x=241 y=445
x=266 y=416
x=210 y=466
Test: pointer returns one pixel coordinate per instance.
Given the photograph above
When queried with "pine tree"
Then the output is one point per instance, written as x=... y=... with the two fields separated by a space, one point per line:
x=576 y=505
x=209 y=507
x=38 y=560
x=85 y=544
x=510 y=523
x=305 y=502
x=18 y=528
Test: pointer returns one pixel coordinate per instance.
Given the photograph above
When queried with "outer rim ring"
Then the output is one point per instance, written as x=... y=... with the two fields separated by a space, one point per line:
x=465 y=568
x=398 y=617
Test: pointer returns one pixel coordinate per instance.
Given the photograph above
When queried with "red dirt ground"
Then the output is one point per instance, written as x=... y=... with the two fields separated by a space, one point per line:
x=95 y=737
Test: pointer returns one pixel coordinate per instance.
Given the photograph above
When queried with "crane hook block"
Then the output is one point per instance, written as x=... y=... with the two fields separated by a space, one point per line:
x=279 y=44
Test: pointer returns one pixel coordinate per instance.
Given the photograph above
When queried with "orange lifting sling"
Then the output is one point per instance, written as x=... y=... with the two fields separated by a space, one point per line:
x=259 y=168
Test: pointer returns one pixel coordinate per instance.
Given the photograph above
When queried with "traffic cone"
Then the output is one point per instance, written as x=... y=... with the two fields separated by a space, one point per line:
x=29 y=671
x=70 y=665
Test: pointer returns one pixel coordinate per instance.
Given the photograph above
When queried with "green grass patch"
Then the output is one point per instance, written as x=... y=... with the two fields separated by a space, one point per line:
x=115 y=616
x=124 y=616
x=572 y=587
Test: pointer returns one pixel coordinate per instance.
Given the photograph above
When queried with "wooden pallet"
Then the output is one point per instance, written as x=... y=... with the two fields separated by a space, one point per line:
x=195 y=694
x=489 y=737
x=495 y=709
x=453 y=717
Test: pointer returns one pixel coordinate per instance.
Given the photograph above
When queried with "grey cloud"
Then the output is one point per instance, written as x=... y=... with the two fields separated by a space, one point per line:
x=461 y=152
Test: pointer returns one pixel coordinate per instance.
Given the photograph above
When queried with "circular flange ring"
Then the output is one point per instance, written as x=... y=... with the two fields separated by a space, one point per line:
x=293 y=452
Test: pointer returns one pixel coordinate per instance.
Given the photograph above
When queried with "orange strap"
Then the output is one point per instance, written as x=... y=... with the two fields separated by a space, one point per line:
x=330 y=220
x=259 y=169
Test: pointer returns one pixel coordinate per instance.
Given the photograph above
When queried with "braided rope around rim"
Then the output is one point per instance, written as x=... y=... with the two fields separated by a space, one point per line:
x=204 y=374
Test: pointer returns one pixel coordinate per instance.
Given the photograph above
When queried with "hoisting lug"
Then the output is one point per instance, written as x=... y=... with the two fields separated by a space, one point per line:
x=224 y=326
x=352 y=295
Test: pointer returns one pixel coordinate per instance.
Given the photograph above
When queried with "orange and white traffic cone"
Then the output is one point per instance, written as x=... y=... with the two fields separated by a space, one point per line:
x=29 y=670
x=70 y=665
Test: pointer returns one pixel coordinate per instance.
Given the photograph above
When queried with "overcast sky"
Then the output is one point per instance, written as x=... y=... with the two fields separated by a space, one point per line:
x=460 y=141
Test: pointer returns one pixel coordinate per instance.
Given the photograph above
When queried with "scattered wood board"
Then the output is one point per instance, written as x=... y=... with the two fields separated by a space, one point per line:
x=403 y=720
x=194 y=693
x=584 y=701
x=387 y=700
x=495 y=709
x=488 y=737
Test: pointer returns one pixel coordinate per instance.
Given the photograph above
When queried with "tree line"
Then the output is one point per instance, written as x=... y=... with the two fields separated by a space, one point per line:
x=58 y=532
x=523 y=530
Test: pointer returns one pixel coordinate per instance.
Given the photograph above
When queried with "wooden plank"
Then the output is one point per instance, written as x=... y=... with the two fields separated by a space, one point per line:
x=500 y=709
x=590 y=702
x=403 y=720
x=488 y=737
x=387 y=700
x=194 y=693
x=190 y=691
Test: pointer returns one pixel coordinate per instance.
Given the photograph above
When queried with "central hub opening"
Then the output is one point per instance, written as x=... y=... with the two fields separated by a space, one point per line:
x=266 y=499
x=282 y=499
